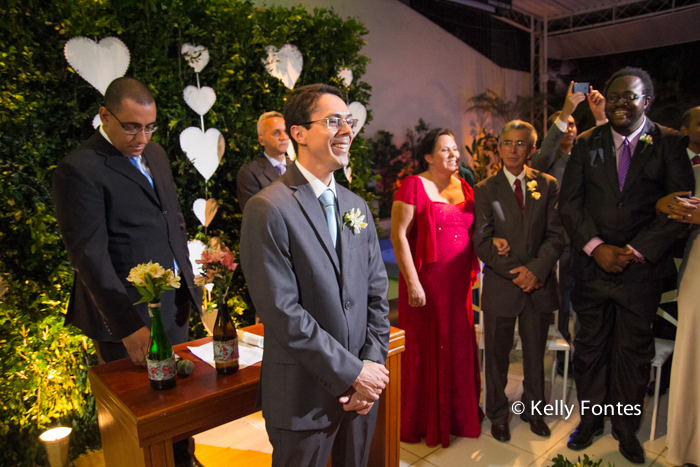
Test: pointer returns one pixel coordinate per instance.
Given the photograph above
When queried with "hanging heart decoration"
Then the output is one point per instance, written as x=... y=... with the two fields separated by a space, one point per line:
x=291 y=153
x=347 y=170
x=97 y=121
x=345 y=75
x=197 y=56
x=98 y=63
x=205 y=210
x=359 y=112
x=196 y=248
x=201 y=149
x=284 y=64
x=200 y=100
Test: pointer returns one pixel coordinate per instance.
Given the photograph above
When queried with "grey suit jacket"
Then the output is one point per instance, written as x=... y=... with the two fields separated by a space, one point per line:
x=253 y=177
x=548 y=158
x=111 y=219
x=593 y=206
x=536 y=241
x=323 y=313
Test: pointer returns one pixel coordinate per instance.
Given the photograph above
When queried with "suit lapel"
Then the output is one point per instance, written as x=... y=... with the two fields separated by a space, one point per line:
x=120 y=163
x=641 y=154
x=344 y=231
x=605 y=147
x=311 y=208
x=531 y=204
x=268 y=169
x=505 y=194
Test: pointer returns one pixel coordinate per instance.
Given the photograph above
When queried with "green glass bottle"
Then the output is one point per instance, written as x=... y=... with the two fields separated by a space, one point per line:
x=225 y=342
x=160 y=358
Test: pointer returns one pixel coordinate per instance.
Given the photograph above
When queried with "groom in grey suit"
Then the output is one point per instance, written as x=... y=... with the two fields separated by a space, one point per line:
x=319 y=285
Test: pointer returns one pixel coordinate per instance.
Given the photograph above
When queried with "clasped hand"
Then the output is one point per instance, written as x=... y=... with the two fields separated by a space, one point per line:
x=526 y=280
x=613 y=259
x=366 y=389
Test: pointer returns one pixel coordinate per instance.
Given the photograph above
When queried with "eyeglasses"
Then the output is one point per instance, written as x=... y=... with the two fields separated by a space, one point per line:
x=518 y=144
x=335 y=123
x=625 y=99
x=133 y=128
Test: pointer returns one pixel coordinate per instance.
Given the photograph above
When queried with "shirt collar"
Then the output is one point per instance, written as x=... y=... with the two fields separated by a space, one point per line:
x=511 y=178
x=273 y=161
x=104 y=135
x=691 y=154
x=633 y=139
x=317 y=185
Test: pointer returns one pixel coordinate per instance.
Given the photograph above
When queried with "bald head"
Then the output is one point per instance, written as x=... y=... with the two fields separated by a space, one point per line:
x=126 y=88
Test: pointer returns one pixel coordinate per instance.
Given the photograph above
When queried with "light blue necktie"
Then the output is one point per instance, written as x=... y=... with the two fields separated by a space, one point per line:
x=136 y=162
x=327 y=199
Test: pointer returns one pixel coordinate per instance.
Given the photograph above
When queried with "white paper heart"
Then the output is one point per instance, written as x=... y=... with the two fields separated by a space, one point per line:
x=200 y=100
x=97 y=121
x=359 y=112
x=284 y=64
x=345 y=75
x=196 y=248
x=98 y=63
x=201 y=149
x=348 y=172
x=290 y=152
x=205 y=210
x=197 y=56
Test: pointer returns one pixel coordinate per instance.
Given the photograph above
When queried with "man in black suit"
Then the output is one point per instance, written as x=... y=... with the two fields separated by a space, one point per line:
x=517 y=206
x=116 y=206
x=264 y=170
x=621 y=255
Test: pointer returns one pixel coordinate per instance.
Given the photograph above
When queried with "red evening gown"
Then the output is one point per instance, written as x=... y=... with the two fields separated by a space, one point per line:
x=440 y=380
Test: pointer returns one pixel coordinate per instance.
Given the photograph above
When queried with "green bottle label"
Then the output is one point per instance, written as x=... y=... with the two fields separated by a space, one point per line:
x=159 y=370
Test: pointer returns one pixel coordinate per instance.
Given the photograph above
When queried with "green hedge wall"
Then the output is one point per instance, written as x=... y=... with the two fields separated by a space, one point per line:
x=46 y=110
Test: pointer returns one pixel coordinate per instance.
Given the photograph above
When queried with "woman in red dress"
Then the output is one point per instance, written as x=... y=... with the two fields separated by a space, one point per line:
x=431 y=226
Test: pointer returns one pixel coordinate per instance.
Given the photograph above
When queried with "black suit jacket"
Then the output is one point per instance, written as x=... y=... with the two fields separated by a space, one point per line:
x=111 y=219
x=593 y=206
x=253 y=177
x=536 y=241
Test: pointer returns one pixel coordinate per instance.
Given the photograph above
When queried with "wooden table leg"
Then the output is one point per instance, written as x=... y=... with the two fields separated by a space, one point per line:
x=385 y=448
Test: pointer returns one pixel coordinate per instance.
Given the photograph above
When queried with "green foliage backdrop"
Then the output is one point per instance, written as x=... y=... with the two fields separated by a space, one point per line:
x=46 y=110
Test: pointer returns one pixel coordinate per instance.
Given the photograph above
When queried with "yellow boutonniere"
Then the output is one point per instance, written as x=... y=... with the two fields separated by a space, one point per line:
x=354 y=220
x=532 y=187
x=646 y=139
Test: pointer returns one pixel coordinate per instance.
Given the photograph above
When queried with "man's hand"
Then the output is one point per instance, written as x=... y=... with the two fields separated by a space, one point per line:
x=353 y=400
x=597 y=103
x=372 y=380
x=573 y=99
x=526 y=280
x=611 y=258
x=502 y=245
x=137 y=345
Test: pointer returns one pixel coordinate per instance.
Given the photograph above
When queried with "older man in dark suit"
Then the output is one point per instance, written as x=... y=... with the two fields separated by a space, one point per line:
x=519 y=237
x=621 y=254
x=311 y=258
x=256 y=175
x=116 y=206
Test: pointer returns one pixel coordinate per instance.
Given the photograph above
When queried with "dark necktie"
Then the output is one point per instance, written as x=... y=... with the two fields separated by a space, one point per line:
x=327 y=199
x=281 y=168
x=624 y=165
x=519 y=196
x=695 y=160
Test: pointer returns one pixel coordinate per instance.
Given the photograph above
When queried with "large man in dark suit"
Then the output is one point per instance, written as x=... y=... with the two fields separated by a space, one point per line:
x=116 y=206
x=259 y=173
x=517 y=206
x=315 y=274
x=621 y=255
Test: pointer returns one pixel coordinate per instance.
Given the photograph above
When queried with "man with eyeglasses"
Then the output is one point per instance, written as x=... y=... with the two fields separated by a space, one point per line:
x=621 y=253
x=117 y=207
x=519 y=237
x=311 y=258
x=265 y=169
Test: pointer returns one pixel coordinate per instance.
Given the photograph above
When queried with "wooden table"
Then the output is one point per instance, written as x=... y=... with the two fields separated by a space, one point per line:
x=138 y=424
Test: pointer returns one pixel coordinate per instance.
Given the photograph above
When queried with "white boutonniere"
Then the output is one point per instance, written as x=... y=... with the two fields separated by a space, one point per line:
x=647 y=140
x=532 y=187
x=354 y=220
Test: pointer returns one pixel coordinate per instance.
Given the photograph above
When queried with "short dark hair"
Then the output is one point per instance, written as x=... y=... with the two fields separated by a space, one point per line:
x=632 y=71
x=427 y=145
x=685 y=120
x=126 y=88
x=301 y=103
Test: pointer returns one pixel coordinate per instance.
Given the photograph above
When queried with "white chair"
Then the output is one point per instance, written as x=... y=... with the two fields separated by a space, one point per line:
x=555 y=343
x=664 y=349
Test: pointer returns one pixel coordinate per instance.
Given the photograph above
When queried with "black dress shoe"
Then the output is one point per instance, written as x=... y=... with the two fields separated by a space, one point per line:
x=582 y=437
x=537 y=426
x=630 y=447
x=500 y=432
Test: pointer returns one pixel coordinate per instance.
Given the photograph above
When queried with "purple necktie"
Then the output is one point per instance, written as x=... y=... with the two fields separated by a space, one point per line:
x=624 y=165
x=281 y=168
x=695 y=160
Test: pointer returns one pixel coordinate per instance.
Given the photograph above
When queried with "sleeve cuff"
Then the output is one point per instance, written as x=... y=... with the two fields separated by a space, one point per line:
x=592 y=245
x=636 y=253
x=561 y=125
x=601 y=122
